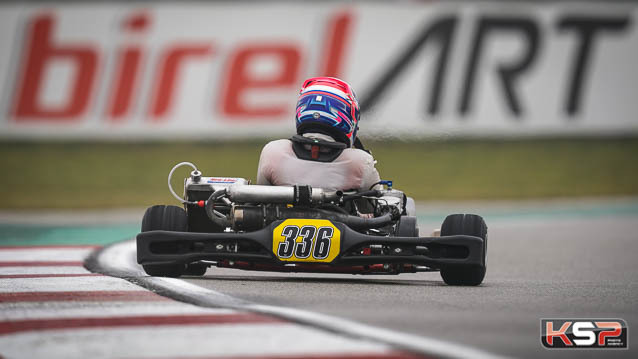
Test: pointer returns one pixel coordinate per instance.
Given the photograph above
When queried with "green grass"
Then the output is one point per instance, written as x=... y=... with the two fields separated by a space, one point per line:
x=58 y=175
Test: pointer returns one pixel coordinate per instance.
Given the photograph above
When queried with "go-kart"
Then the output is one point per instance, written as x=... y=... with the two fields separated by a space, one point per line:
x=229 y=223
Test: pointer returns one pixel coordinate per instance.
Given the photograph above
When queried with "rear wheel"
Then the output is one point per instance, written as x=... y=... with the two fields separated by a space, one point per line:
x=471 y=225
x=196 y=269
x=165 y=218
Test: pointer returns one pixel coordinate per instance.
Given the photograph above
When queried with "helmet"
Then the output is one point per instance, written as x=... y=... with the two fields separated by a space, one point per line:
x=328 y=105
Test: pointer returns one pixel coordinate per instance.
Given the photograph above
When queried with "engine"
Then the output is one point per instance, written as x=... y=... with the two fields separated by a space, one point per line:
x=231 y=202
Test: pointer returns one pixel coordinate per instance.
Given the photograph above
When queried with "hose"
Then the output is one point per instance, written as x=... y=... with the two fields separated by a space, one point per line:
x=371 y=193
x=170 y=175
x=355 y=222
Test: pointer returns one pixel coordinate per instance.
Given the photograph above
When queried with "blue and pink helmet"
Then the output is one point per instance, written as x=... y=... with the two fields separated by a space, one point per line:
x=328 y=105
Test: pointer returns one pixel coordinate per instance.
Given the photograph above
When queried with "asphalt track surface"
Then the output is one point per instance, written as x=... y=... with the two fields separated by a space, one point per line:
x=546 y=259
x=578 y=264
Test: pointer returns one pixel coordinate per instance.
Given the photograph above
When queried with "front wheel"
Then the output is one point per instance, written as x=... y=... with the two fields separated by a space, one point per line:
x=165 y=218
x=470 y=225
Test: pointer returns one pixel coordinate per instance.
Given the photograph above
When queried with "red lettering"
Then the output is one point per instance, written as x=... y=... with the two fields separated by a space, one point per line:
x=137 y=22
x=125 y=81
x=617 y=330
x=129 y=59
x=40 y=51
x=337 y=36
x=240 y=80
x=168 y=72
x=549 y=328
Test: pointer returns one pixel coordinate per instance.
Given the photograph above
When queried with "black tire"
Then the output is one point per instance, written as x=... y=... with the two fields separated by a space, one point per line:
x=195 y=269
x=407 y=227
x=165 y=218
x=471 y=225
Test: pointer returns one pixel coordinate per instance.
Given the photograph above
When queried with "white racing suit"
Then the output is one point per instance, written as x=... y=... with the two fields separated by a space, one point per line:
x=352 y=169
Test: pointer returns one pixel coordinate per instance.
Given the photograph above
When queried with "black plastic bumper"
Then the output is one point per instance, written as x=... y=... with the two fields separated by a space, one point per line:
x=165 y=247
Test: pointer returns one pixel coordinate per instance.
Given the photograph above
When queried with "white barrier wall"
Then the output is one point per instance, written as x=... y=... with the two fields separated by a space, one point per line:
x=233 y=69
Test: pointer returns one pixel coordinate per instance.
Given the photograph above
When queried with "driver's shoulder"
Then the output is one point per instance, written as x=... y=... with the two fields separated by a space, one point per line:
x=357 y=154
x=277 y=145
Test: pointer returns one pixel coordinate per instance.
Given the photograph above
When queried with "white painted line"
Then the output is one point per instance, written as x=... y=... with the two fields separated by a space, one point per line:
x=120 y=258
x=212 y=339
x=168 y=341
x=416 y=343
x=61 y=310
x=43 y=270
x=44 y=254
x=65 y=284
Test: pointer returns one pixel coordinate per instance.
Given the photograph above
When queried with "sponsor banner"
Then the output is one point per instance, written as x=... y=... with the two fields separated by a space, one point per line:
x=233 y=69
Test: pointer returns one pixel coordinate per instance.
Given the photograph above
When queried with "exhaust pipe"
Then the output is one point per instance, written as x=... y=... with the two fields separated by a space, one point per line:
x=298 y=195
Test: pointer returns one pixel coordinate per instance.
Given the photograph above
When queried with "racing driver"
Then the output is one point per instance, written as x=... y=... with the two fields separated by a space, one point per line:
x=326 y=152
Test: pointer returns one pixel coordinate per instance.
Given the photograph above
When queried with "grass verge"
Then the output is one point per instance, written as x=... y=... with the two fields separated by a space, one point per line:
x=99 y=175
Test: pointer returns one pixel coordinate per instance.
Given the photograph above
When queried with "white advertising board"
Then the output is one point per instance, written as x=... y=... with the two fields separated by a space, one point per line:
x=233 y=69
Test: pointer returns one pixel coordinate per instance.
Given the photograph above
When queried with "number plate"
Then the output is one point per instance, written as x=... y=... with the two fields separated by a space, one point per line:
x=306 y=240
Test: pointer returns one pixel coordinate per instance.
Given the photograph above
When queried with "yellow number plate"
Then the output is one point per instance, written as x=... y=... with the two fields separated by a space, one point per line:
x=306 y=240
